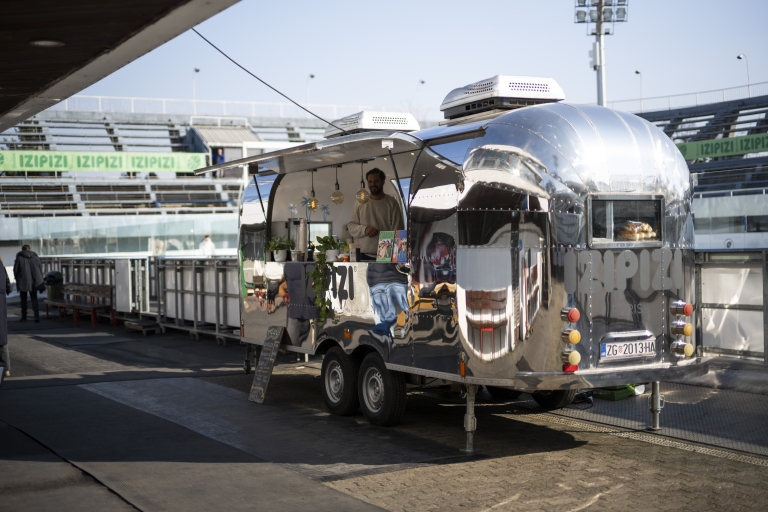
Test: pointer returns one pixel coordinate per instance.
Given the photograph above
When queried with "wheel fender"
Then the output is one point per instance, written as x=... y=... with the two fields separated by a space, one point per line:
x=326 y=343
x=377 y=345
x=349 y=346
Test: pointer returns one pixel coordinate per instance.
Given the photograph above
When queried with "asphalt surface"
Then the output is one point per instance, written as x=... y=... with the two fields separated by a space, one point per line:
x=98 y=419
x=65 y=446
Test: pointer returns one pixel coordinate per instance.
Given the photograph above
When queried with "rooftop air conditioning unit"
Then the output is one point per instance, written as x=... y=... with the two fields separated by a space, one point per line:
x=366 y=121
x=500 y=92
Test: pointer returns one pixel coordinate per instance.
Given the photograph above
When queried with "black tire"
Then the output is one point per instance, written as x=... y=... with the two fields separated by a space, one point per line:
x=339 y=382
x=503 y=393
x=556 y=399
x=381 y=392
x=247 y=366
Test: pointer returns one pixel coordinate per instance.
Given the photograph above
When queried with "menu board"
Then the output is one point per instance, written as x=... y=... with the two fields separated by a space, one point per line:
x=386 y=246
x=400 y=251
x=266 y=363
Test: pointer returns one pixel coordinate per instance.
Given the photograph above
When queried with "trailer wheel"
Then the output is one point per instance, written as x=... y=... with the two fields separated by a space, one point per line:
x=339 y=381
x=556 y=399
x=503 y=393
x=381 y=391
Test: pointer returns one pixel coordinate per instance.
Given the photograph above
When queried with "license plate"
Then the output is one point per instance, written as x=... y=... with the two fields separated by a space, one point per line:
x=627 y=349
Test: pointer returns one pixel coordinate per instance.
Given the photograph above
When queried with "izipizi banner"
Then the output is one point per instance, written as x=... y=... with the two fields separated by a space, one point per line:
x=62 y=161
x=731 y=146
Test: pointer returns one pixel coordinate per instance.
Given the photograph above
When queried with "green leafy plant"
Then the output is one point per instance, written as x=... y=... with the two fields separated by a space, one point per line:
x=321 y=277
x=328 y=243
x=280 y=243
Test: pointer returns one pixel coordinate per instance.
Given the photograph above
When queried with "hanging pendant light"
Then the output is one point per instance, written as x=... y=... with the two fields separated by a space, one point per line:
x=337 y=197
x=362 y=194
x=313 y=202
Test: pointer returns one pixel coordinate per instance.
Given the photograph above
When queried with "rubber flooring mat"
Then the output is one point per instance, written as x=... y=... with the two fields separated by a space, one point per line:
x=316 y=444
x=728 y=419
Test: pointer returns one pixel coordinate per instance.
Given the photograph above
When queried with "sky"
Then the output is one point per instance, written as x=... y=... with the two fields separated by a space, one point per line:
x=377 y=53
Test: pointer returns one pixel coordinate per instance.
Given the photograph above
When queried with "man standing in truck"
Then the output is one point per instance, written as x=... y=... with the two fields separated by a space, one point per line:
x=381 y=212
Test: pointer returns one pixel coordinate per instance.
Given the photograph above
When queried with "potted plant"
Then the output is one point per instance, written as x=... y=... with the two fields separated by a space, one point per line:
x=280 y=246
x=328 y=248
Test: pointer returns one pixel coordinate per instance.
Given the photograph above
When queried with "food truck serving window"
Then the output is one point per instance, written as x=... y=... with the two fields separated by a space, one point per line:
x=625 y=220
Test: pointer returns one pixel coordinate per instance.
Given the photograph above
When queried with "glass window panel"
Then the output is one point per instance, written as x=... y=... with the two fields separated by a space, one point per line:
x=637 y=220
x=757 y=224
x=728 y=224
x=317 y=229
x=599 y=221
x=626 y=220
x=453 y=151
x=702 y=225
x=485 y=228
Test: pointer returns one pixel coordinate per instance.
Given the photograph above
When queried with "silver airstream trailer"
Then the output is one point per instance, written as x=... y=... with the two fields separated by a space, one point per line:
x=550 y=249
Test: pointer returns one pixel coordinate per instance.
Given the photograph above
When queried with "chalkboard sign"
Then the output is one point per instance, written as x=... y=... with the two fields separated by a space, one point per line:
x=266 y=362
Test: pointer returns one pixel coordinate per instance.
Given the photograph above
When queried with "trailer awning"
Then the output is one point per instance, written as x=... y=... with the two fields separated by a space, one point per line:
x=327 y=153
x=349 y=148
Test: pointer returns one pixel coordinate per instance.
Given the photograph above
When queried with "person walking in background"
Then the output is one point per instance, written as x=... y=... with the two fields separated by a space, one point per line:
x=206 y=247
x=5 y=289
x=28 y=271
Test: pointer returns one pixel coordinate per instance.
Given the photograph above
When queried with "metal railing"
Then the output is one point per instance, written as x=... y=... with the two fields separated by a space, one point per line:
x=226 y=108
x=211 y=305
x=195 y=295
x=85 y=103
x=132 y=278
x=99 y=271
x=737 y=303
x=693 y=99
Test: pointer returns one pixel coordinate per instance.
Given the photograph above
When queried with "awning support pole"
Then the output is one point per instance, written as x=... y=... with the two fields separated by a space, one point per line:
x=397 y=178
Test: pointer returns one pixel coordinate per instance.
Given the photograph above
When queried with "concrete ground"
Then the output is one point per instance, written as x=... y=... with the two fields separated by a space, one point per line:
x=100 y=420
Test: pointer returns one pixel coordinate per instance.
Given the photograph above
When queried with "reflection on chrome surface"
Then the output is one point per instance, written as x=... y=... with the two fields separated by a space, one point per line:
x=549 y=207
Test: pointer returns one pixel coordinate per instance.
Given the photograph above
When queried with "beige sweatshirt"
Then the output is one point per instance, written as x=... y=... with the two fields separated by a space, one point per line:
x=383 y=214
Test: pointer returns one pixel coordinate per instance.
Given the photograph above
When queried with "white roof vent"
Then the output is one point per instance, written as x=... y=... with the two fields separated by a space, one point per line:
x=367 y=121
x=501 y=92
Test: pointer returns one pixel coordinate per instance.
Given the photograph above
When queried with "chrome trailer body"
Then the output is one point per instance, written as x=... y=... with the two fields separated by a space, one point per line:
x=511 y=218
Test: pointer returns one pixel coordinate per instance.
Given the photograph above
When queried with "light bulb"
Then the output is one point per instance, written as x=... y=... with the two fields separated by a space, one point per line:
x=362 y=195
x=313 y=203
x=337 y=197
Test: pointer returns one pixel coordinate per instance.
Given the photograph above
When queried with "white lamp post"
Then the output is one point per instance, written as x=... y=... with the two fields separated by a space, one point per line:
x=194 y=93
x=309 y=77
x=741 y=56
x=638 y=73
x=418 y=98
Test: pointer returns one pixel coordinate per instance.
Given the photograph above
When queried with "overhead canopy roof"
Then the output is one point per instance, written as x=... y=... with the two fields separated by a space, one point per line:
x=99 y=38
x=348 y=148
x=315 y=155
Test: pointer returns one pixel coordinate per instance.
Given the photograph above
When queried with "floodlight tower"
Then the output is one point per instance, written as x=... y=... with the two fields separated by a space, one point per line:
x=600 y=13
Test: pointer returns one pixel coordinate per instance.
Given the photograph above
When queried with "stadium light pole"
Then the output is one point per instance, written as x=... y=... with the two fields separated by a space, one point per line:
x=600 y=13
x=749 y=85
x=638 y=73
x=418 y=96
